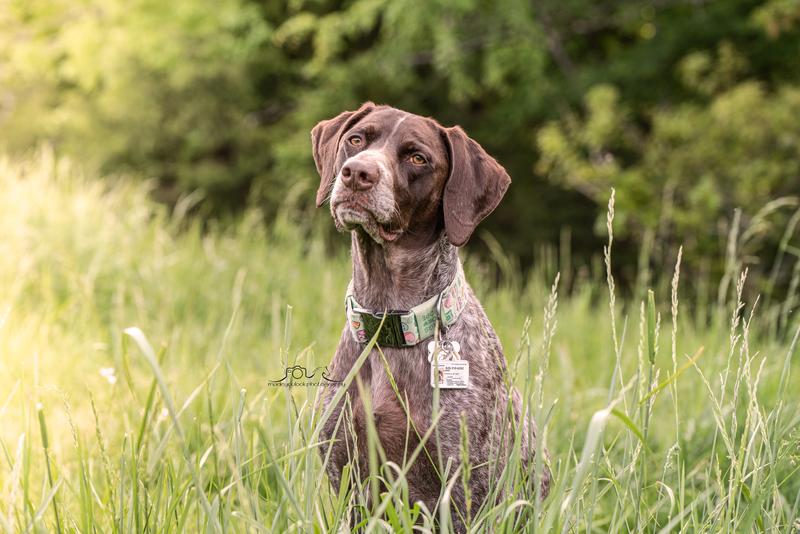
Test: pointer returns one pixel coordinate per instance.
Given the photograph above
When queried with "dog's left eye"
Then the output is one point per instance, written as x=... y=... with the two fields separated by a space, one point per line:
x=418 y=159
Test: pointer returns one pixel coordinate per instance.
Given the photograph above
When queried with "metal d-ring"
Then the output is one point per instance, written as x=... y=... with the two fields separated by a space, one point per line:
x=446 y=348
x=439 y=322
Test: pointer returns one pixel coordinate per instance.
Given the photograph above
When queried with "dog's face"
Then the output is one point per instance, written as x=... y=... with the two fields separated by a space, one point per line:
x=394 y=174
x=391 y=180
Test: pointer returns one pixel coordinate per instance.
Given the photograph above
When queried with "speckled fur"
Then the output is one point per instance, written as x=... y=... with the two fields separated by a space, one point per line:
x=397 y=279
x=433 y=212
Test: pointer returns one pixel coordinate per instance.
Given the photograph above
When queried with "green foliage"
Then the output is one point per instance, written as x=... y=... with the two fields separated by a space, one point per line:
x=693 y=164
x=152 y=86
x=686 y=108
x=716 y=134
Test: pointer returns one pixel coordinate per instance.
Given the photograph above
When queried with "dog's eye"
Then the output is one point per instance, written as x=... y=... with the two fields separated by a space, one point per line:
x=355 y=140
x=417 y=159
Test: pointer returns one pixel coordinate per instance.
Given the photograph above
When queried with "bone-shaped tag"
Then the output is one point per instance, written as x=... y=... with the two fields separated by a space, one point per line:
x=444 y=350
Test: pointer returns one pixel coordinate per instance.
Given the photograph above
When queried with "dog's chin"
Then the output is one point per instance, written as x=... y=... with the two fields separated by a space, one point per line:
x=348 y=220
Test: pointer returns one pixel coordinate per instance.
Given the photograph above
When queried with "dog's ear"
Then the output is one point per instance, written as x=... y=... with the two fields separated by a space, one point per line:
x=325 y=138
x=474 y=188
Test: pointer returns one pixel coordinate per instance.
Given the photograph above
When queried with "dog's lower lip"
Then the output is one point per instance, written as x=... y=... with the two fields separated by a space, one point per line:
x=354 y=213
x=387 y=234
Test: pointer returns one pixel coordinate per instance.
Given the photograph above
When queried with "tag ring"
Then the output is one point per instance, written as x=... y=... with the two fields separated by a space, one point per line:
x=439 y=322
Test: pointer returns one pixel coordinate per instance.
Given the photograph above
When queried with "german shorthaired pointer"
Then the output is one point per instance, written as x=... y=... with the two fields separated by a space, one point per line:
x=410 y=192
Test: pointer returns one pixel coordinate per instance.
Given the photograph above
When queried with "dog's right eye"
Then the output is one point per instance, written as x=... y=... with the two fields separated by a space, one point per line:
x=355 y=140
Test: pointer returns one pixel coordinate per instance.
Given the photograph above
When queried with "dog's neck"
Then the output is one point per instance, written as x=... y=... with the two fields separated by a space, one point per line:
x=402 y=274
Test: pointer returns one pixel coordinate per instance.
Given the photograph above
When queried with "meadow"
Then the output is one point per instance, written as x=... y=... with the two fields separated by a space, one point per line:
x=137 y=344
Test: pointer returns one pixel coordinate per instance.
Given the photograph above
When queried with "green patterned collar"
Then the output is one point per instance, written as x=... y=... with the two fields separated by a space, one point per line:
x=407 y=328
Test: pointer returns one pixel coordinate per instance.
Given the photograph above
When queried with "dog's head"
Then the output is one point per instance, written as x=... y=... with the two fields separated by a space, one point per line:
x=392 y=173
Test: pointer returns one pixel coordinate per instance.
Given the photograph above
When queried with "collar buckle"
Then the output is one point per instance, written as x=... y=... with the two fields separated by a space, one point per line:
x=391 y=335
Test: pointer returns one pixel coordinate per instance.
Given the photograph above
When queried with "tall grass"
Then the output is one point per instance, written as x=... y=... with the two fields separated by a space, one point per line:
x=136 y=349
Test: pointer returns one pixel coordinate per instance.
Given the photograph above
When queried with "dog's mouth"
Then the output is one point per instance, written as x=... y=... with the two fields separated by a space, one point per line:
x=348 y=216
x=387 y=233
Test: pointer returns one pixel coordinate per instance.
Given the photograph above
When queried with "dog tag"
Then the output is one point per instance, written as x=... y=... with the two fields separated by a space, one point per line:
x=448 y=370
x=444 y=350
x=450 y=374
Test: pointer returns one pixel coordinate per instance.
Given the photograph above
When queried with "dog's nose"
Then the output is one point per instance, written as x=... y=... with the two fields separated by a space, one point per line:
x=360 y=175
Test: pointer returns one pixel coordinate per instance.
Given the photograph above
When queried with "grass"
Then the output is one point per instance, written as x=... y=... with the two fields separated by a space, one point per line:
x=136 y=349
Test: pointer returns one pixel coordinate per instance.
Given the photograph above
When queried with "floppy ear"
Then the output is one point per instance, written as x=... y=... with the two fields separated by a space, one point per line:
x=475 y=187
x=325 y=141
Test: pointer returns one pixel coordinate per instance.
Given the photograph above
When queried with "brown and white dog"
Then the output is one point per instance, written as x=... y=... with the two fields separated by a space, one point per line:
x=410 y=192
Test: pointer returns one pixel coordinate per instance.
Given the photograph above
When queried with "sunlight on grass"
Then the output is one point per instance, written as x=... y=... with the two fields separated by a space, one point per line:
x=136 y=349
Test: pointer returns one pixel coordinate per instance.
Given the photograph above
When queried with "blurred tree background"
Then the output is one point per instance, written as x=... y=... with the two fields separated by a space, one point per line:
x=689 y=108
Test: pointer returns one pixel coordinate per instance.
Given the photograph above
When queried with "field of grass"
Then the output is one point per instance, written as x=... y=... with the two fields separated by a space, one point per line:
x=136 y=348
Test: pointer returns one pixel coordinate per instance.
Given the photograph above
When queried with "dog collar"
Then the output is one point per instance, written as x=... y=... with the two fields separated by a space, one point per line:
x=407 y=328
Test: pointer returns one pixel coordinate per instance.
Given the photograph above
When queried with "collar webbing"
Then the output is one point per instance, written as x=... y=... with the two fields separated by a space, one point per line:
x=407 y=328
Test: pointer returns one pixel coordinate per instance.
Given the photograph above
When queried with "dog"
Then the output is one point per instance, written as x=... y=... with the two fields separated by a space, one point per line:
x=410 y=192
